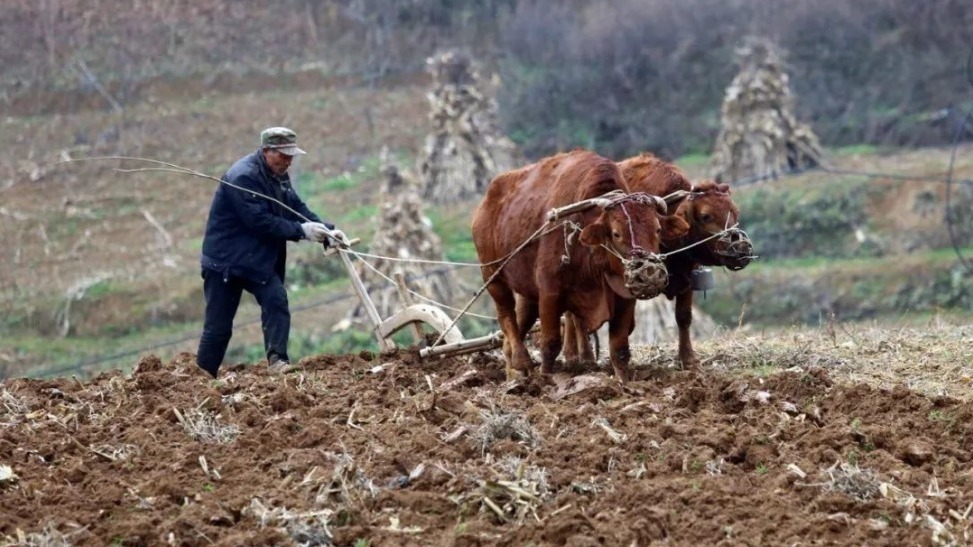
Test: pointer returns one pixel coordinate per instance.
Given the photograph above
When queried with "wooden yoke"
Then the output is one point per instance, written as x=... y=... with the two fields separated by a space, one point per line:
x=602 y=201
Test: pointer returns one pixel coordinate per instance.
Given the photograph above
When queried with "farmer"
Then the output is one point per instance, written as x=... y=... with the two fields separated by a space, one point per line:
x=244 y=248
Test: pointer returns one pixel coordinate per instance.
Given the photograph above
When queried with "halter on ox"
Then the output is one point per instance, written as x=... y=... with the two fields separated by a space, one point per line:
x=645 y=271
x=732 y=244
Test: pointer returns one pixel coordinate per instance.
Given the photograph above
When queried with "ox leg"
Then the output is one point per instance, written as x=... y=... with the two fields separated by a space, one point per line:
x=577 y=342
x=514 y=352
x=550 y=314
x=585 y=351
x=684 y=319
x=620 y=327
x=572 y=340
x=526 y=315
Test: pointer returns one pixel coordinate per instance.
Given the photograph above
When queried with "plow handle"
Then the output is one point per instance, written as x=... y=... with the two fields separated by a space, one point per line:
x=333 y=249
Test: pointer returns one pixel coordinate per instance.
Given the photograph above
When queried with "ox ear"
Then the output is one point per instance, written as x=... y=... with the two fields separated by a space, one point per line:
x=594 y=234
x=674 y=226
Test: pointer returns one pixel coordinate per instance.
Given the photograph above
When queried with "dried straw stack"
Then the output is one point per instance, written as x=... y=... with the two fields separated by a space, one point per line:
x=465 y=148
x=760 y=137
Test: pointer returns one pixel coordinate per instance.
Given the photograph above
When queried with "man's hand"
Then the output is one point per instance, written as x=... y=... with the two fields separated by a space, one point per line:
x=337 y=237
x=315 y=231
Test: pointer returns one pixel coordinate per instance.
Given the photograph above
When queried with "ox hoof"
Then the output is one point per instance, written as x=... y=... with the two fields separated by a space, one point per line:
x=515 y=374
x=690 y=364
x=623 y=375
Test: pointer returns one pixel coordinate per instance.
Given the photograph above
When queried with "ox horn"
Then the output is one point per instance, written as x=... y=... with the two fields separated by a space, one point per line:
x=661 y=205
x=676 y=197
x=602 y=201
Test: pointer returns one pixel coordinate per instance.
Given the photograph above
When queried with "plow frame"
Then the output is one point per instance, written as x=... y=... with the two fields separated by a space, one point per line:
x=414 y=316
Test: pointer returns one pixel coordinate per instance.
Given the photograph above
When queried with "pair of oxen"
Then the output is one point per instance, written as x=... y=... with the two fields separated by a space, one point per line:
x=581 y=237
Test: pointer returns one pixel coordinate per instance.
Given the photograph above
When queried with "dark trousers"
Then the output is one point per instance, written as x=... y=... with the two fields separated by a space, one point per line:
x=222 y=300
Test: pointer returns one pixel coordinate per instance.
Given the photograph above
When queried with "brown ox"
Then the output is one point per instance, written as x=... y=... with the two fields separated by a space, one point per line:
x=552 y=274
x=708 y=210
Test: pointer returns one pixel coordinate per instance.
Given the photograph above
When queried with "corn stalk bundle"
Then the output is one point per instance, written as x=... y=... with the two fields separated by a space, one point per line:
x=760 y=137
x=465 y=148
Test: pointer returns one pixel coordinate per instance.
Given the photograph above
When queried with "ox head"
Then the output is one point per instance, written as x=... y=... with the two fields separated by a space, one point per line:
x=709 y=210
x=631 y=227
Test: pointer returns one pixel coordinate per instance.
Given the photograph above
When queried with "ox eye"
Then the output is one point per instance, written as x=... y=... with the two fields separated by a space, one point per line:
x=616 y=234
x=706 y=217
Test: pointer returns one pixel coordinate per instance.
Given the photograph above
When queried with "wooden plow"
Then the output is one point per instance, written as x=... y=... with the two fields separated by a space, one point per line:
x=413 y=316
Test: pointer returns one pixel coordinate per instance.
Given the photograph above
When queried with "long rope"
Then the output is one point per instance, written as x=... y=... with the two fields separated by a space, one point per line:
x=360 y=254
x=174 y=168
x=543 y=230
x=538 y=233
x=838 y=171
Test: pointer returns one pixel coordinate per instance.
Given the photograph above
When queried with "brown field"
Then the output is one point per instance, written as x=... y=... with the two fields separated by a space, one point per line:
x=795 y=437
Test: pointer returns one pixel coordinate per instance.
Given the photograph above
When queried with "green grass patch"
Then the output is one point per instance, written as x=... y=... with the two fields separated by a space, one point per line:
x=863 y=150
x=463 y=251
x=102 y=289
x=697 y=159
x=309 y=183
x=358 y=215
x=454 y=230
x=55 y=356
x=808 y=217
x=194 y=244
x=790 y=292
x=344 y=181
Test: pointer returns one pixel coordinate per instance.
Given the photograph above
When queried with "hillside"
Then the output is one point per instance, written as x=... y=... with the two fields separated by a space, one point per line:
x=104 y=262
x=101 y=256
x=864 y=238
x=615 y=75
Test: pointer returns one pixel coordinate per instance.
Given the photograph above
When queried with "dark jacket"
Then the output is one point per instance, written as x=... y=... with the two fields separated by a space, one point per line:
x=246 y=235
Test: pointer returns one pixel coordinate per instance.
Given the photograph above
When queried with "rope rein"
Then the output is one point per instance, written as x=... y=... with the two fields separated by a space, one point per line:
x=476 y=295
x=636 y=248
x=173 y=168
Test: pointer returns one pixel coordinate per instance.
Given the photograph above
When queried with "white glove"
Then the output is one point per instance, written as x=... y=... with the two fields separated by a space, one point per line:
x=337 y=237
x=315 y=231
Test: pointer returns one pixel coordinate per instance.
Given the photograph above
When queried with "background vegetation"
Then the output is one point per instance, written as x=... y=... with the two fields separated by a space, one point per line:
x=882 y=82
x=620 y=76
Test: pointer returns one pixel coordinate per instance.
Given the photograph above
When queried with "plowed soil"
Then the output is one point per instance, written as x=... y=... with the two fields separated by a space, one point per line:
x=361 y=450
